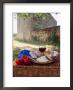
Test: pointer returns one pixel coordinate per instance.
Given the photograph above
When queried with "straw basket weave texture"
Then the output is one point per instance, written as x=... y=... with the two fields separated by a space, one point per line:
x=36 y=70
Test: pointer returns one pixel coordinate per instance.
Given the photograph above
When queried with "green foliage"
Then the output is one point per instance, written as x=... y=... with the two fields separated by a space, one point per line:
x=24 y=15
x=33 y=15
x=53 y=39
x=15 y=53
x=35 y=38
x=41 y=16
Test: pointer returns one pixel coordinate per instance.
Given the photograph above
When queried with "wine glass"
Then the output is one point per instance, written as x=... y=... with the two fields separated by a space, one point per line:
x=42 y=49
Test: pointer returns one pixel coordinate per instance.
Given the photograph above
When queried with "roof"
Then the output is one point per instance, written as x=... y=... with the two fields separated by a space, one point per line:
x=46 y=23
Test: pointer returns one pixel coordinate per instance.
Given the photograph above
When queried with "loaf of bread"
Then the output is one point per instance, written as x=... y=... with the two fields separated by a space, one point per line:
x=42 y=59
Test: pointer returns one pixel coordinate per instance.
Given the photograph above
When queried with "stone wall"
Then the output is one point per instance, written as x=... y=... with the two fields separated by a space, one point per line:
x=44 y=34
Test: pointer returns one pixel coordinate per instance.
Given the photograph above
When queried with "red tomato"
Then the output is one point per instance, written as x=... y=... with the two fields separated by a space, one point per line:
x=27 y=60
x=25 y=57
x=19 y=62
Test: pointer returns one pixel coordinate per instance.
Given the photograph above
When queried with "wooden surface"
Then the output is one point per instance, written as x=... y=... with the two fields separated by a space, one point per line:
x=36 y=70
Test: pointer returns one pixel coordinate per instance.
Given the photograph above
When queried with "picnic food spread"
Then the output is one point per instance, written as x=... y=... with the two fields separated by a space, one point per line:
x=27 y=57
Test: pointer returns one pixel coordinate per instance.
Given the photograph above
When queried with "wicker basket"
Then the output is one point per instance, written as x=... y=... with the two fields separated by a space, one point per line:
x=36 y=70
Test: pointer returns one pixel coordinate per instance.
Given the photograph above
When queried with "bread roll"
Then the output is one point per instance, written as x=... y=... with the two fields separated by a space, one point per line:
x=42 y=59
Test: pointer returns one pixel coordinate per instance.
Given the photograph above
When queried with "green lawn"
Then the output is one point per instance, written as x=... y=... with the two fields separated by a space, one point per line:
x=15 y=52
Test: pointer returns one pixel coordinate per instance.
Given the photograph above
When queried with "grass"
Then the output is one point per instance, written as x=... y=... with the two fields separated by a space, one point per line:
x=34 y=42
x=15 y=52
x=57 y=45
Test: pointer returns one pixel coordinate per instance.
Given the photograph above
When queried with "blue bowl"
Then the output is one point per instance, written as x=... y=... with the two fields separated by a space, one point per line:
x=23 y=52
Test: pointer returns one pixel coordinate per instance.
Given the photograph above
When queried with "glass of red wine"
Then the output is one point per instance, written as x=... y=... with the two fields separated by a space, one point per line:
x=42 y=49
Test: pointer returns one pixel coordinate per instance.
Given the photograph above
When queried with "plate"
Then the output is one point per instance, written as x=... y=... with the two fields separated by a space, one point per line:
x=48 y=62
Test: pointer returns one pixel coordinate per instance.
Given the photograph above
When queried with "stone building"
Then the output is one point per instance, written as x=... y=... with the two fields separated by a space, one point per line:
x=32 y=27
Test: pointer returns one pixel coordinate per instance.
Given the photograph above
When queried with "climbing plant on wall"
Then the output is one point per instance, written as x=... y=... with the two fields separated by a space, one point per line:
x=53 y=39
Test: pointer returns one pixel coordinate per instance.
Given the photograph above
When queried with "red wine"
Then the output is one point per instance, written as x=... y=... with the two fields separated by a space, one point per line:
x=42 y=49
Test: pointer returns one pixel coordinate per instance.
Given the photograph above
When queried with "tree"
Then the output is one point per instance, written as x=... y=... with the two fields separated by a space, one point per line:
x=33 y=15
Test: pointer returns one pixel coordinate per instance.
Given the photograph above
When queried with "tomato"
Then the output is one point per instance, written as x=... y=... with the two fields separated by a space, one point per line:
x=27 y=60
x=25 y=57
x=19 y=62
